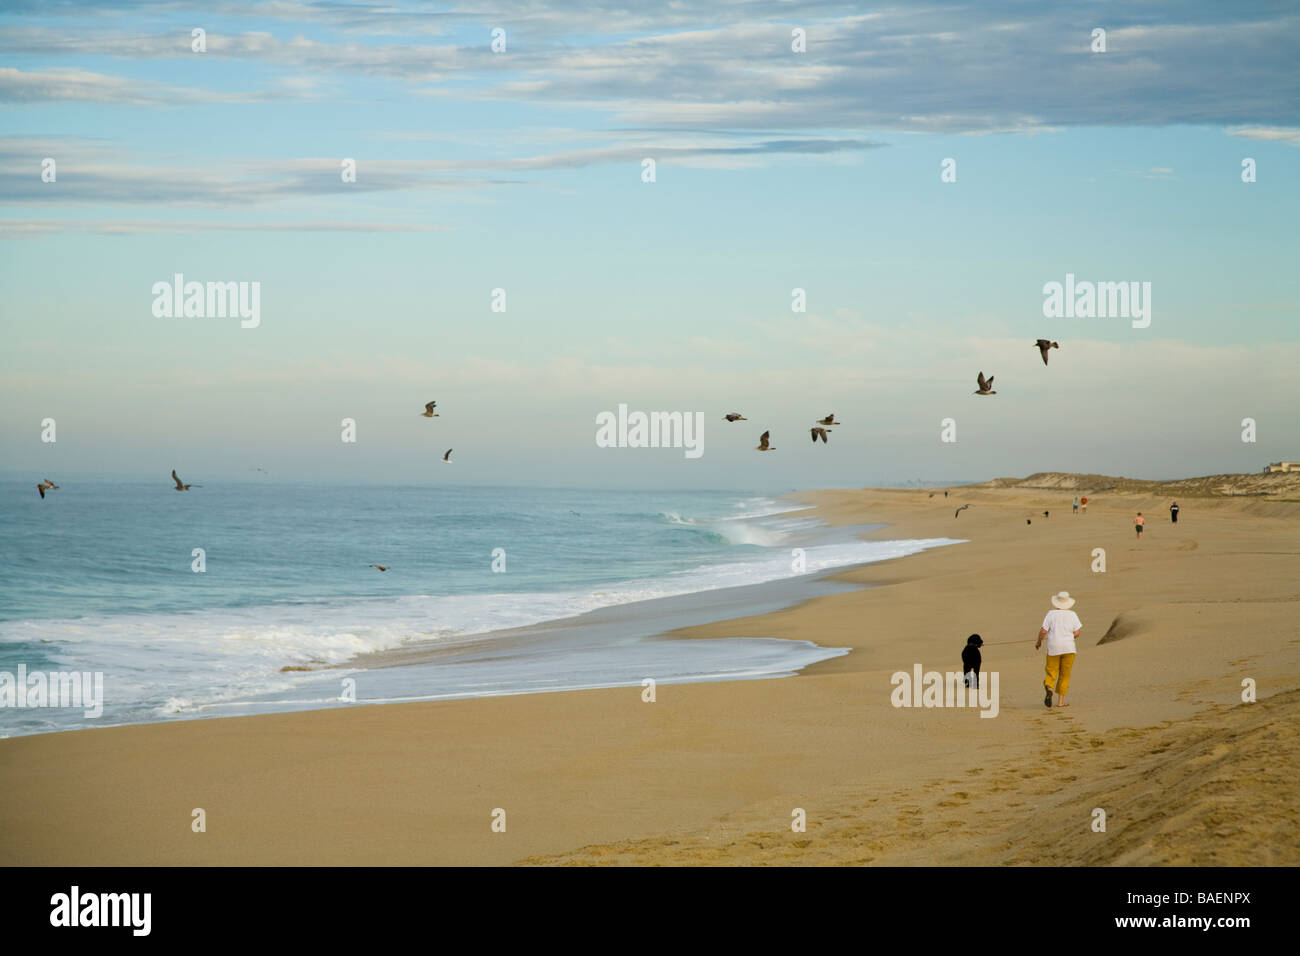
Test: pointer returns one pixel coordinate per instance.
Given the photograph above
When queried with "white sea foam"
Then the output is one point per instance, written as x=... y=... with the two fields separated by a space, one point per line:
x=161 y=665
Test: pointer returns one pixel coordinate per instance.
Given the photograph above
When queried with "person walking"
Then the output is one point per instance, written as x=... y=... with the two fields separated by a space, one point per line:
x=1076 y=506
x=1060 y=627
x=1138 y=522
x=1173 y=512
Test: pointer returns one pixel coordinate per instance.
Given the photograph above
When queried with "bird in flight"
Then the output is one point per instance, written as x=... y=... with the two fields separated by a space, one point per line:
x=447 y=457
x=828 y=420
x=179 y=485
x=762 y=443
x=381 y=567
x=1043 y=345
x=985 y=386
x=429 y=412
x=819 y=432
x=960 y=510
x=734 y=417
x=45 y=486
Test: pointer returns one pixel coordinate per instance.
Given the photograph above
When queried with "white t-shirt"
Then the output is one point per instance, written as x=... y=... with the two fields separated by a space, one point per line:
x=1060 y=626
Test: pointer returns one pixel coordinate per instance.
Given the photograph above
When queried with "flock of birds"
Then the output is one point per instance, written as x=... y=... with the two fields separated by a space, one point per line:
x=821 y=431
x=429 y=412
x=765 y=440
x=986 y=384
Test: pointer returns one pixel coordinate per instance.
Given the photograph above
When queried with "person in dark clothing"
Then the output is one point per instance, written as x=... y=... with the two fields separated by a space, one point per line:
x=1173 y=512
x=971 y=659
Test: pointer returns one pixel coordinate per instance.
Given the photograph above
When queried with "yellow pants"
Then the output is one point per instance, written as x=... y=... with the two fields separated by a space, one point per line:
x=1060 y=664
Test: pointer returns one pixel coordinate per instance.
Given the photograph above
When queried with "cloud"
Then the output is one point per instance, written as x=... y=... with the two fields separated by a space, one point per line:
x=934 y=67
x=1270 y=134
x=37 y=228
x=88 y=175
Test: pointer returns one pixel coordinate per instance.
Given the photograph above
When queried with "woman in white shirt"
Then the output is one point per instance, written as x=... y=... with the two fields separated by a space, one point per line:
x=1061 y=626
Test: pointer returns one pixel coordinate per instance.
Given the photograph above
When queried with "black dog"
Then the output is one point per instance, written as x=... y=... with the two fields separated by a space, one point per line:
x=971 y=660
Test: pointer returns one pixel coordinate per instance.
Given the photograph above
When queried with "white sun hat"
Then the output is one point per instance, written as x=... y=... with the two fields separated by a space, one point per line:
x=1063 y=601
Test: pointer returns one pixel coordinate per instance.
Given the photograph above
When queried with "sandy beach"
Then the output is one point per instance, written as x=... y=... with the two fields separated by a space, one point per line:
x=1157 y=734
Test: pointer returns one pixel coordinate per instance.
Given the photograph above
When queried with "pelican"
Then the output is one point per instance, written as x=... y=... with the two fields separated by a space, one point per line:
x=446 y=459
x=828 y=420
x=762 y=443
x=45 y=486
x=734 y=417
x=179 y=485
x=985 y=387
x=381 y=567
x=1043 y=345
x=819 y=433
x=429 y=412
x=960 y=510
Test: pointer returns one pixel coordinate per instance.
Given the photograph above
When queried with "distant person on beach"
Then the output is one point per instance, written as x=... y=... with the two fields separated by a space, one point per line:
x=1173 y=512
x=1084 y=503
x=1076 y=506
x=1061 y=626
x=1138 y=522
x=971 y=659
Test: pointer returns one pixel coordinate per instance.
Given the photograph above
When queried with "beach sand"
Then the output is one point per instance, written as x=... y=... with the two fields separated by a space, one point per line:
x=1157 y=734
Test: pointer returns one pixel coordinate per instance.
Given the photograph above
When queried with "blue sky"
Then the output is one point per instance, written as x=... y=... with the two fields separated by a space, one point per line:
x=522 y=170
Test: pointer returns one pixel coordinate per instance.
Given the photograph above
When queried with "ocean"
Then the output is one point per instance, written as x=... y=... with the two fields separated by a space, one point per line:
x=100 y=577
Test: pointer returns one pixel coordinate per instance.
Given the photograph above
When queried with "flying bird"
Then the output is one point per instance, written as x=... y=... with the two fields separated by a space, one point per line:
x=734 y=417
x=1045 y=344
x=45 y=486
x=381 y=567
x=985 y=387
x=762 y=443
x=818 y=432
x=429 y=412
x=179 y=485
x=447 y=457
x=828 y=420
x=960 y=510
x=1046 y=514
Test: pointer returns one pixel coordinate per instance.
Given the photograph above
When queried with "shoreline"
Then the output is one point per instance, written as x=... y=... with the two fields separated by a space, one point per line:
x=601 y=776
x=613 y=645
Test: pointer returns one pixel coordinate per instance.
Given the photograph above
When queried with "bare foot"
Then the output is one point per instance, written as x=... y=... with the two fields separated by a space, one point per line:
x=1062 y=704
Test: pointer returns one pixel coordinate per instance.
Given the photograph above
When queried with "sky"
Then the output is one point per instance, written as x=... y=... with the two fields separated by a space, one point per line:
x=522 y=169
